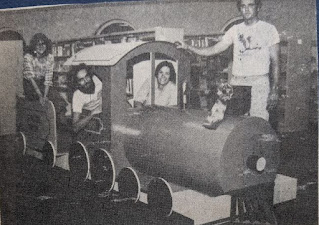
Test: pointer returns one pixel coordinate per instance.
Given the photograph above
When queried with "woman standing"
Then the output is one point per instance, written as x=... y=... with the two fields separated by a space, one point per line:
x=38 y=69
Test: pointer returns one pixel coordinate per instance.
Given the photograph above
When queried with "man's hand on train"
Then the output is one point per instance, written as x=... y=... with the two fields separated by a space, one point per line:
x=181 y=45
x=96 y=111
x=43 y=100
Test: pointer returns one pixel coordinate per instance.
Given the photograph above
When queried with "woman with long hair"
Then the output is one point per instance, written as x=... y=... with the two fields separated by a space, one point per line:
x=38 y=69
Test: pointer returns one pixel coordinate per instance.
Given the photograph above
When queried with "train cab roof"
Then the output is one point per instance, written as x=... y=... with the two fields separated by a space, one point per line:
x=102 y=55
x=111 y=54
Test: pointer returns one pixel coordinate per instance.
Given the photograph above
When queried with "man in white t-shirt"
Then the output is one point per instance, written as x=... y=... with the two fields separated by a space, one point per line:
x=255 y=52
x=88 y=97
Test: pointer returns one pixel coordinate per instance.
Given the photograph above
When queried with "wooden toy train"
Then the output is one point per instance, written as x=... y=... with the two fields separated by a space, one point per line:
x=159 y=150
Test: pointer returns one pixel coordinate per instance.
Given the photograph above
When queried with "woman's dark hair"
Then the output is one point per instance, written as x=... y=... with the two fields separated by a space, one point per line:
x=257 y=2
x=34 y=41
x=172 y=77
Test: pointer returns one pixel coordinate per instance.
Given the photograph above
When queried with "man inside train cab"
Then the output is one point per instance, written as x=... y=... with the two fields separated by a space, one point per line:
x=255 y=58
x=87 y=98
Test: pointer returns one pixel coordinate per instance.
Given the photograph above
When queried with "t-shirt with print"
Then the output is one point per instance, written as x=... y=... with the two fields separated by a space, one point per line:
x=251 y=53
x=88 y=101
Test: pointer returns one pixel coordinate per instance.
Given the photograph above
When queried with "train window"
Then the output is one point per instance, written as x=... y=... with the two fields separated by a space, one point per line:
x=152 y=82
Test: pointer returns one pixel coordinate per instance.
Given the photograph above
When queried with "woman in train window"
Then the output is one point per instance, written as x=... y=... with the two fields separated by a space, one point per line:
x=165 y=87
x=38 y=69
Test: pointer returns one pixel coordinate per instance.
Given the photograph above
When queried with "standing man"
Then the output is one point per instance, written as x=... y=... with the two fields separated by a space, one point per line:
x=255 y=57
x=87 y=99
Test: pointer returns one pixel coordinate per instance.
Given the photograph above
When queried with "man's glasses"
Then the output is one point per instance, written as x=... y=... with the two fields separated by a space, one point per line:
x=85 y=79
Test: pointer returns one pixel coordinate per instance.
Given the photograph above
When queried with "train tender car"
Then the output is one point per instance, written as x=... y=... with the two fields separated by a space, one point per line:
x=43 y=136
x=165 y=150
x=37 y=126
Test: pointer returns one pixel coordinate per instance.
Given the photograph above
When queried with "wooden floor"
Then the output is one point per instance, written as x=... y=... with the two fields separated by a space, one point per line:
x=46 y=196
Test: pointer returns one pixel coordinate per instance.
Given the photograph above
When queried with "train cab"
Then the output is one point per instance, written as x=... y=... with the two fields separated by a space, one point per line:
x=127 y=73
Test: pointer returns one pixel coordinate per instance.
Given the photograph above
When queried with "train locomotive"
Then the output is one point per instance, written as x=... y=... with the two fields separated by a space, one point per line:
x=158 y=150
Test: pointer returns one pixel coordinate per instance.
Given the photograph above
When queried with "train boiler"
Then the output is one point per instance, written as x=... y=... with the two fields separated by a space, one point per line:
x=163 y=149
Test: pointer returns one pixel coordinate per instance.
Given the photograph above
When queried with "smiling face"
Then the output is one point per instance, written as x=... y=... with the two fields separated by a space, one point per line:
x=163 y=76
x=248 y=9
x=40 y=47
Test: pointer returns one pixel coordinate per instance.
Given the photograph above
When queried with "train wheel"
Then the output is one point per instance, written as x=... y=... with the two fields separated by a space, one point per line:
x=49 y=154
x=22 y=143
x=79 y=163
x=159 y=197
x=103 y=170
x=129 y=184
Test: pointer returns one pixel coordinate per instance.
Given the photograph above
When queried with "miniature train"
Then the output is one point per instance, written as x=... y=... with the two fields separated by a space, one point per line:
x=157 y=149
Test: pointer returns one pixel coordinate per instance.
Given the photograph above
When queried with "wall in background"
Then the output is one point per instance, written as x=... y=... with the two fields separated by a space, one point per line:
x=292 y=18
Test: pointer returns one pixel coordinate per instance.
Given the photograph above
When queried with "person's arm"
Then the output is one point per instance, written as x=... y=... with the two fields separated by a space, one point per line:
x=275 y=71
x=79 y=123
x=172 y=101
x=48 y=77
x=77 y=106
x=141 y=96
x=46 y=91
x=209 y=51
x=64 y=96
x=222 y=45
x=138 y=104
x=36 y=88
x=45 y=98
x=28 y=73
x=274 y=60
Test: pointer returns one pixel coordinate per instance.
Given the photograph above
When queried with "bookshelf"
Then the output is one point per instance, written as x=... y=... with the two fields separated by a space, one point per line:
x=64 y=49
